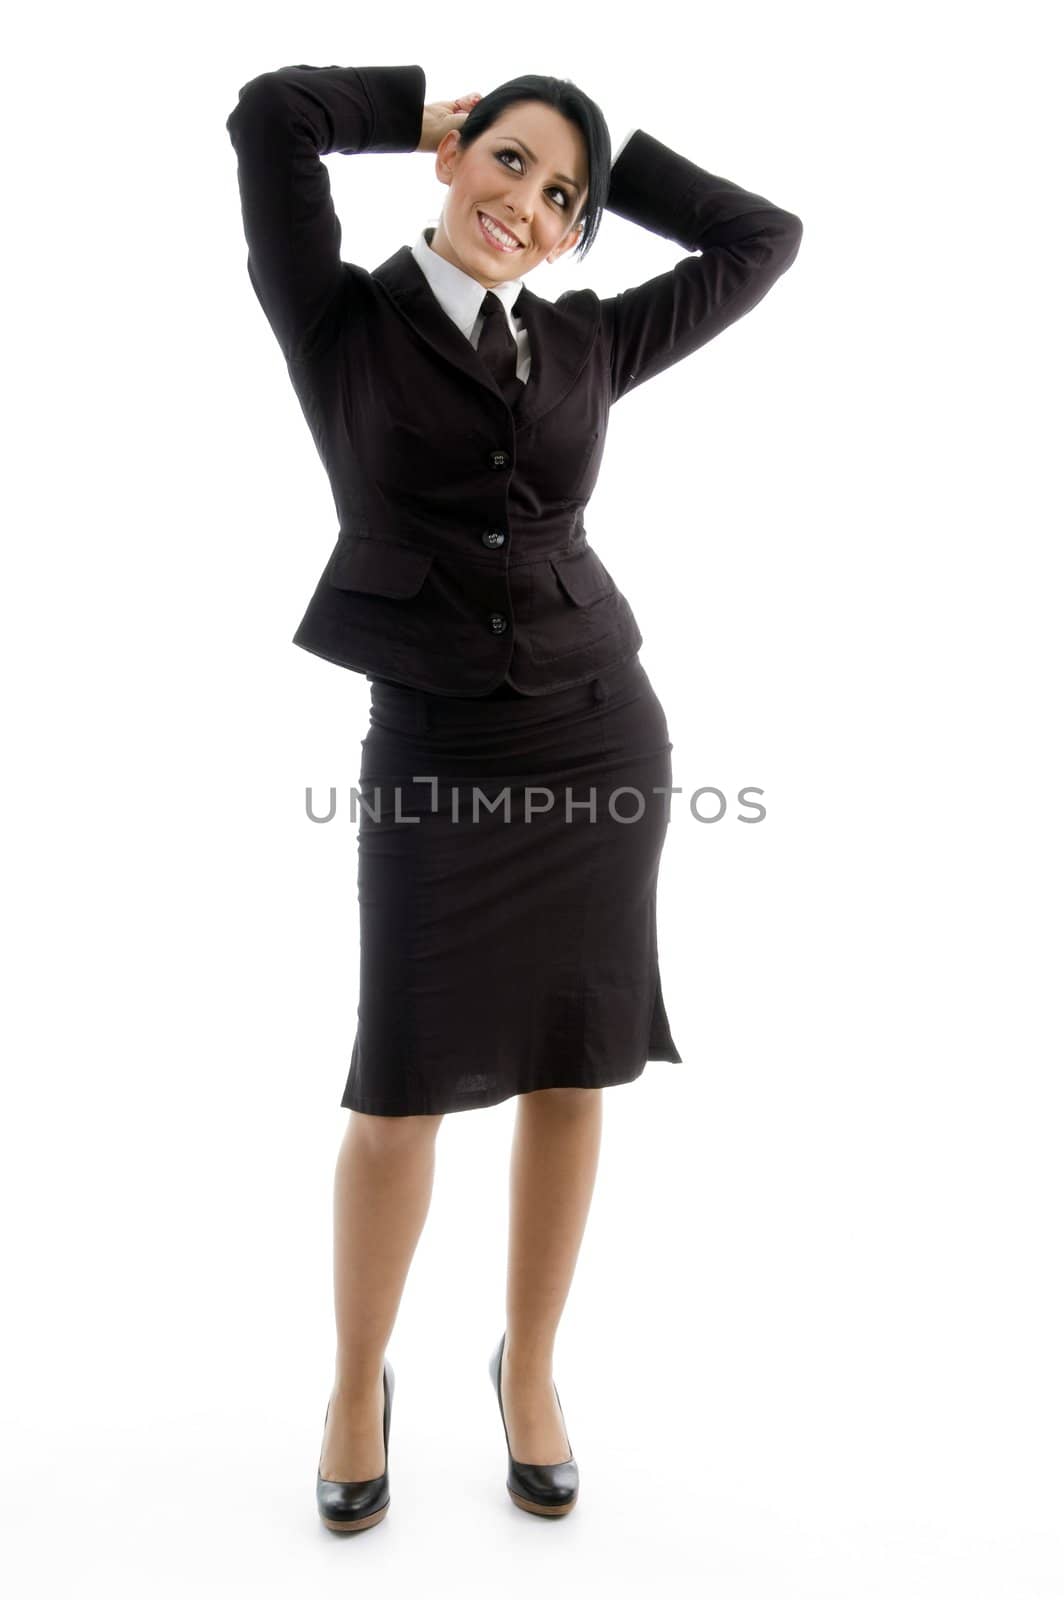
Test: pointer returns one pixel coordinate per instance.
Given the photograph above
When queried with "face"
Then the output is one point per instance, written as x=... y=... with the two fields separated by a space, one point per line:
x=528 y=174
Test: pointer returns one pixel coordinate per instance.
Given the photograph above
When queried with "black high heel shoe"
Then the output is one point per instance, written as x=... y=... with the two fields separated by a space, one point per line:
x=347 y=1507
x=548 y=1491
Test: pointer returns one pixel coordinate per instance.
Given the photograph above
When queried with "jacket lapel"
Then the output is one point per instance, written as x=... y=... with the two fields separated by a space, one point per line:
x=559 y=340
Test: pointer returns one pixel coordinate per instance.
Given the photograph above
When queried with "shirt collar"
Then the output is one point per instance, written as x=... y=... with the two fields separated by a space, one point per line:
x=460 y=295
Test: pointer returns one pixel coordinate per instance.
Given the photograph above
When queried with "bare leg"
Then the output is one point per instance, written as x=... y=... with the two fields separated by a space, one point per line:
x=383 y=1185
x=557 y=1135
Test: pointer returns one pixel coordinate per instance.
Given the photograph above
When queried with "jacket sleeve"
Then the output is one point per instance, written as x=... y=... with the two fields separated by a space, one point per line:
x=282 y=124
x=743 y=244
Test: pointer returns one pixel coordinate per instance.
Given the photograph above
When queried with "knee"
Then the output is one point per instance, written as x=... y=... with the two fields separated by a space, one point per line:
x=390 y=1134
x=567 y=1099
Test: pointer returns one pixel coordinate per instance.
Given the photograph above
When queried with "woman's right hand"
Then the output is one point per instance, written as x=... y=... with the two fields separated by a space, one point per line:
x=442 y=115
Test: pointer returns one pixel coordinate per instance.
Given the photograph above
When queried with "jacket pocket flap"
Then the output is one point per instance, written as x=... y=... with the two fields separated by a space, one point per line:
x=583 y=577
x=379 y=567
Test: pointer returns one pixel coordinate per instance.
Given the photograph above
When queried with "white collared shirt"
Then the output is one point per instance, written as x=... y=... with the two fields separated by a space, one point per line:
x=462 y=296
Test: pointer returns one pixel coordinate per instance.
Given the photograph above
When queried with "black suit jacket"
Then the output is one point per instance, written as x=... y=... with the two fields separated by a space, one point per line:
x=461 y=554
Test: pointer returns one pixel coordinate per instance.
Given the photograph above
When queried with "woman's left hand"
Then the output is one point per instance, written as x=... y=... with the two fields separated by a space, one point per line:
x=442 y=115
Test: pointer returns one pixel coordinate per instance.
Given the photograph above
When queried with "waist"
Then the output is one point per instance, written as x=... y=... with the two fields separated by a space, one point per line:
x=398 y=704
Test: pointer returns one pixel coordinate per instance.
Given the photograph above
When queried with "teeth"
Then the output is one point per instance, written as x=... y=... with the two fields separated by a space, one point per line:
x=497 y=233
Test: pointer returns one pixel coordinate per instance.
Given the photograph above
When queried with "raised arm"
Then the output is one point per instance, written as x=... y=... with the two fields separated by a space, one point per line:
x=744 y=244
x=282 y=124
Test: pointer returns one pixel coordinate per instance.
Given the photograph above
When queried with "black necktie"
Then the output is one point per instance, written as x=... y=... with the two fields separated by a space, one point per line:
x=498 y=349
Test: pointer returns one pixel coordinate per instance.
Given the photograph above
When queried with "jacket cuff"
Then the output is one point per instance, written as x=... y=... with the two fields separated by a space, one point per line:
x=397 y=97
x=649 y=183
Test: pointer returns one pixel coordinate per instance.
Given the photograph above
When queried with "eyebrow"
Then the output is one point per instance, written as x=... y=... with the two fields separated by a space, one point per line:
x=513 y=139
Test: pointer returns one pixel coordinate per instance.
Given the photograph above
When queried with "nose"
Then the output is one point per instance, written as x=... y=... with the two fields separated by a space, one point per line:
x=520 y=201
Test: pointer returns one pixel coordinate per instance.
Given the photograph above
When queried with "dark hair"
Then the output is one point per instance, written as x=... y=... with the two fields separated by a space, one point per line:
x=573 y=103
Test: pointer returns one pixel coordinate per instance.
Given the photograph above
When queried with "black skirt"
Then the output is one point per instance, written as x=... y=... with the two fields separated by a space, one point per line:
x=508 y=851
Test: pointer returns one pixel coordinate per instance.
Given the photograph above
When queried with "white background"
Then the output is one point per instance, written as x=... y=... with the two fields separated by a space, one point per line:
x=813 y=1344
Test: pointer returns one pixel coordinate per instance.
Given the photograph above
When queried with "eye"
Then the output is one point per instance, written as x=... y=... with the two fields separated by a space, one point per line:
x=563 y=204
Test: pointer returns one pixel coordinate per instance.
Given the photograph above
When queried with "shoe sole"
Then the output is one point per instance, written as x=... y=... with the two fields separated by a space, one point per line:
x=354 y=1527
x=541 y=1510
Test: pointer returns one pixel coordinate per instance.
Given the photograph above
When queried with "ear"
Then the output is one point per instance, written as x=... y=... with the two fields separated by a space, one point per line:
x=571 y=238
x=446 y=155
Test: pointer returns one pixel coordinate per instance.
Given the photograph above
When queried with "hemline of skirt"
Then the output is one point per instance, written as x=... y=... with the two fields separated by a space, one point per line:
x=388 y=1108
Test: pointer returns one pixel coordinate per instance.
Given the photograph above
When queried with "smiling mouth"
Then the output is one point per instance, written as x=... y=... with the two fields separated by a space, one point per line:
x=512 y=242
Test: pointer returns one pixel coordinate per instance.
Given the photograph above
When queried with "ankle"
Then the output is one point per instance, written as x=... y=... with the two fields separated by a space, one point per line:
x=527 y=1362
x=356 y=1386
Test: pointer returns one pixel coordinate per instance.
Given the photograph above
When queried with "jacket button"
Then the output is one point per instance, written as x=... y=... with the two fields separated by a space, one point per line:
x=498 y=459
x=499 y=624
x=493 y=538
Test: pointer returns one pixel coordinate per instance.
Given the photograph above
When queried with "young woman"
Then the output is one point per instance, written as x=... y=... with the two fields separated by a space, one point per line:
x=515 y=774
